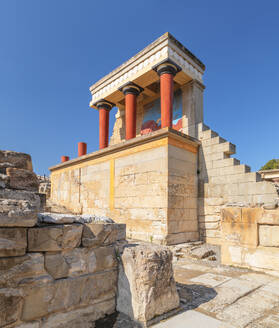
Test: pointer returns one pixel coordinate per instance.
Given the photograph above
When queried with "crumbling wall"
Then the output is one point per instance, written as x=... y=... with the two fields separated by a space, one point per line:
x=55 y=270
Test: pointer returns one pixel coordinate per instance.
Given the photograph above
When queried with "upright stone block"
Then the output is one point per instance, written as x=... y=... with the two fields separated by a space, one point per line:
x=146 y=287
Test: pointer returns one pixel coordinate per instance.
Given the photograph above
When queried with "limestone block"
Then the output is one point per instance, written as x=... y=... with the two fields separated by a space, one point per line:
x=18 y=160
x=13 y=241
x=4 y=166
x=10 y=305
x=54 y=238
x=89 y=260
x=269 y=236
x=17 y=213
x=65 y=294
x=146 y=287
x=251 y=215
x=96 y=234
x=56 y=265
x=181 y=237
x=83 y=317
x=29 y=196
x=240 y=233
x=269 y=217
x=231 y=214
x=22 y=179
x=182 y=226
x=18 y=270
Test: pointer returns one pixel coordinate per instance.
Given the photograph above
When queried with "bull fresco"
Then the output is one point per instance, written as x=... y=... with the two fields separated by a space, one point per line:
x=152 y=115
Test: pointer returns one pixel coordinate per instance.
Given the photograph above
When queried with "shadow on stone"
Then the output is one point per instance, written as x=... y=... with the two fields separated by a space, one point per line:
x=192 y=296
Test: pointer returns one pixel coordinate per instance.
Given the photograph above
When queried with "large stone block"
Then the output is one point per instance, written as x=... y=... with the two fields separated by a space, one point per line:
x=18 y=270
x=146 y=287
x=18 y=160
x=269 y=236
x=29 y=196
x=89 y=260
x=54 y=238
x=13 y=241
x=22 y=179
x=10 y=305
x=66 y=294
x=56 y=265
x=96 y=234
x=17 y=213
x=83 y=317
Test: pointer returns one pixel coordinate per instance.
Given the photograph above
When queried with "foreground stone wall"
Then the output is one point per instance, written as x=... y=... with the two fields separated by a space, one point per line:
x=149 y=183
x=250 y=238
x=55 y=270
x=58 y=275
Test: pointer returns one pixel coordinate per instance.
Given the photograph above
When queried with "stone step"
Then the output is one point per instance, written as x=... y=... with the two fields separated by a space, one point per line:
x=213 y=141
x=208 y=134
x=226 y=162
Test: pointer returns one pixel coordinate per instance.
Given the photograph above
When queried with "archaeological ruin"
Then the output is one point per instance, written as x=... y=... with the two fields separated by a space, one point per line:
x=160 y=222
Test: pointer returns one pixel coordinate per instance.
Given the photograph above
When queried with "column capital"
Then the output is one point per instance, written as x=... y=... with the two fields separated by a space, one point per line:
x=104 y=104
x=167 y=67
x=131 y=88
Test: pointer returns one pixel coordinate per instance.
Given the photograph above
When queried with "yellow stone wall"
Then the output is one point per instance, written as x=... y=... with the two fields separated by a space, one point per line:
x=149 y=183
x=249 y=238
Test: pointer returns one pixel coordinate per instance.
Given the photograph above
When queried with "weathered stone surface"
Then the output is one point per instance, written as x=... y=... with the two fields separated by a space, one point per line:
x=57 y=218
x=18 y=160
x=4 y=180
x=80 y=318
x=4 y=166
x=18 y=270
x=201 y=252
x=22 y=179
x=269 y=236
x=146 y=287
x=56 y=265
x=64 y=294
x=54 y=238
x=13 y=241
x=228 y=293
x=90 y=260
x=249 y=308
x=29 y=196
x=17 y=213
x=10 y=305
x=96 y=234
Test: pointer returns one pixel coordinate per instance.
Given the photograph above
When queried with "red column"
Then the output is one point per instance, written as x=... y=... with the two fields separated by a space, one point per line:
x=64 y=159
x=131 y=91
x=166 y=90
x=104 y=108
x=130 y=115
x=166 y=70
x=103 y=127
x=82 y=148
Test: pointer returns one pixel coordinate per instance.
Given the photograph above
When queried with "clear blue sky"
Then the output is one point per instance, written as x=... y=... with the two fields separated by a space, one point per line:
x=51 y=51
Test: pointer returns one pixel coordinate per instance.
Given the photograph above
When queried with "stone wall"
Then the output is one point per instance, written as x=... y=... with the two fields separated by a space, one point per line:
x=250 y=238
x=222 y=180
x=149 y=183
x=55 y=270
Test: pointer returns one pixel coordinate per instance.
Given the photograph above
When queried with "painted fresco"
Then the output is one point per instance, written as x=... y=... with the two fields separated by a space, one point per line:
x=152 y=115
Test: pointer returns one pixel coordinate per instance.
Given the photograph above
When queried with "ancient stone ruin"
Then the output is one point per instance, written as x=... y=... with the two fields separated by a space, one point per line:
x=143 y=227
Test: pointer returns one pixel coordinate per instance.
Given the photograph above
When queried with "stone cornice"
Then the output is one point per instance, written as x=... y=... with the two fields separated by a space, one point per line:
x=165 y=47
x=156 y=135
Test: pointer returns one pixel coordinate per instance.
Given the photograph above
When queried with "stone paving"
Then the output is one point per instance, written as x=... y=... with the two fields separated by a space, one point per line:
x=223 y=297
